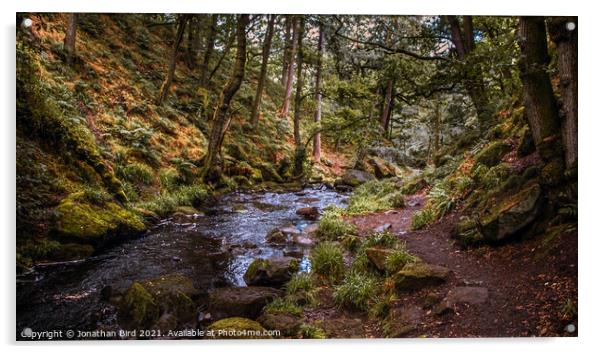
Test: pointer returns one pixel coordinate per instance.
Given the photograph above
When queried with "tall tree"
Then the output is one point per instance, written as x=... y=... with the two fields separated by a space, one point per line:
x=267 y=45
x=209 y=47
x=472 y=76
x=171 y=69
x=299 y=90
x=221 y=118
x=387 y=104
x=288 y=91
x=194 y=41
x=69 y=41
x=540 y=104
x=318 y=88
x=286 y=49
x=563 y=31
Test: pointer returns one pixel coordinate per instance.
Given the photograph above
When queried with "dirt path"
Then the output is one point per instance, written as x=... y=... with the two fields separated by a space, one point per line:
x=527 y=287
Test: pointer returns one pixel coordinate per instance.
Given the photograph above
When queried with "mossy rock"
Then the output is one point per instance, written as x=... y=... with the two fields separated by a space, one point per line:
x=245 y=301
x=492 y=154
x=552 y=174
x=167 y=295
x=237 y=328
x=276 y=236
x=268 y=172
x=467 y=232
x=138 y=309
x=396 y=200
x=511 y=214
x=285 y=323
x=381 y=168
x=413 y=186
x=355 y=178
x=93 y=224
x=414 y=276
x=271 y=272
x=378 y=257
x=71 y=251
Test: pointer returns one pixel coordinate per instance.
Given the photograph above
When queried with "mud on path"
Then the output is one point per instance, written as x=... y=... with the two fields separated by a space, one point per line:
x=528 y=283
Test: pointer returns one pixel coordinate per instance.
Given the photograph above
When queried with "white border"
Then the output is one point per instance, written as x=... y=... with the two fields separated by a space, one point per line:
x=589 y=203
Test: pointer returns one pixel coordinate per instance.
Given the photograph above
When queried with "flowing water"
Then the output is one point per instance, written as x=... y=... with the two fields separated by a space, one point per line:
x=213 y=249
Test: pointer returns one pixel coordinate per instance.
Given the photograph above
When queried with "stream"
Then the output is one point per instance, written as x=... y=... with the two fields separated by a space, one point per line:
x=213 y=249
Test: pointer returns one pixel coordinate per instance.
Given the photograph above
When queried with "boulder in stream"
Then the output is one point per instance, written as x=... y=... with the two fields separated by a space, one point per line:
x=309 y=213
x=167 y=296
x=240 y=301
x=271 y=272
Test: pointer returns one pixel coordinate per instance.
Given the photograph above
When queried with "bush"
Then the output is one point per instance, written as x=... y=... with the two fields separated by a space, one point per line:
x=299 y=282
x=137 y=173
x=169 y=178
x=357 y=291
x=281 y=305
x=373 y=196
x=398 y=259
x=327 y=260
x=332 y=226
x=423 y=217
x=311 y=332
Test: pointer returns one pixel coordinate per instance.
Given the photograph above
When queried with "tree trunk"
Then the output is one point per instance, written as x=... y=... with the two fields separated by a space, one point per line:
x=70 y=34
x=566 y=49
x=384 y=118
x=436 y=133
x=318 y=88
x=471 y=73
x=209 y=47
x=221 y=118
x=267 y=45
x=287 y=46
x=540 y=104
x=193 y=41
x=290 y=69
x=172 y=60
x=299 y=91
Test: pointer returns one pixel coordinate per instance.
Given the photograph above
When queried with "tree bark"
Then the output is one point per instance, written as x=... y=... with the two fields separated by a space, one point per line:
x=267 y=45
x=386 y=111
x=540 y=105
x=318 y=88
x=566 y=49
x=285 y=54
x=471 y=73
x=221 y=118
x=209 y=47
x=299 y=90
x=69 y=41
x=165 y=87
x=290 y=69
x=193 y=40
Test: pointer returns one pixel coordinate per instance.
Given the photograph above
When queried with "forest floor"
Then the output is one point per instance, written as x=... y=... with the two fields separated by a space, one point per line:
x=527 y=285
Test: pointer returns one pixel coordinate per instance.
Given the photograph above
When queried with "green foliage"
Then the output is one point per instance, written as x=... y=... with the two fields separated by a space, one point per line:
x=300 y=282
x=327 y=260
x=281 y=305
x=373 y=196
x=399 y=258
x=307 y=331
x=357 y=291
x=169 y=178
x=423 y=217
x=137 y=173
x=332 y=226
x=167 y=202
x=492 y=154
